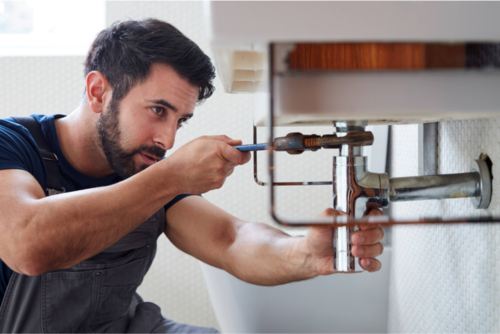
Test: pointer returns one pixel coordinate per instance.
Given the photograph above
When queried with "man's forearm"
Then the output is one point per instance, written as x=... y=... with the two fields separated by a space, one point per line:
x=59 y=231
x=264 y=255
x=258 y=253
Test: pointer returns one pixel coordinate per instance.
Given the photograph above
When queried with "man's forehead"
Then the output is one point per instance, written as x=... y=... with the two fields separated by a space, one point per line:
x=163 y=83
x=161 y=73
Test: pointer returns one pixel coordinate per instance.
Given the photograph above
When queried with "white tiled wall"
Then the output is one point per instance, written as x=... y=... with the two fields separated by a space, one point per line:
x=446 y=278
x=40 y=85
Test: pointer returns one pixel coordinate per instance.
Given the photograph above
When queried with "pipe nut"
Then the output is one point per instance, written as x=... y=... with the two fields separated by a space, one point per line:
x=484 y=187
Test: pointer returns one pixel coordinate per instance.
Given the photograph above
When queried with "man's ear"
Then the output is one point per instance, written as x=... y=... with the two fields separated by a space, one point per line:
x=98 y=91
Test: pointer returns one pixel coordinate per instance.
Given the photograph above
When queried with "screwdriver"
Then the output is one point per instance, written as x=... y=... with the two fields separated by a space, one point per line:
x=296 y=143
x=252 y=147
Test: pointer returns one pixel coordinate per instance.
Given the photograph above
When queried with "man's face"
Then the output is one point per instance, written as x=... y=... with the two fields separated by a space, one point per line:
x=137 y=131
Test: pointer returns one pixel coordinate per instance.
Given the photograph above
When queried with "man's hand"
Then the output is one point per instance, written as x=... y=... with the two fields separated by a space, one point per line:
x=319 y=242
x=204 y=163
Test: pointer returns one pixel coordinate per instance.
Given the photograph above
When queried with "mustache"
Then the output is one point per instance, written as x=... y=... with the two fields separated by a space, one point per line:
x=155 y=151
x=152 y=150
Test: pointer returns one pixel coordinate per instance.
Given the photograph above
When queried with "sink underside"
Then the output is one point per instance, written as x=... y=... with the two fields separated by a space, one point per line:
x=382 y=97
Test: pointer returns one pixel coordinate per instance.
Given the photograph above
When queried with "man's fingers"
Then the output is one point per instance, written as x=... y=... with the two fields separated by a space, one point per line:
x=370 y=264
x=368 y=251
x=367 y=227
x=224 y=139
x=368 y=237
x=247 y=157
x=232 y=154
x=332 y=212
x=375 y=212
x=229 y=172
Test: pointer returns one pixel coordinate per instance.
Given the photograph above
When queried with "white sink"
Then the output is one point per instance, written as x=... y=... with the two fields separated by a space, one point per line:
x=341 y=303
x=381 y=98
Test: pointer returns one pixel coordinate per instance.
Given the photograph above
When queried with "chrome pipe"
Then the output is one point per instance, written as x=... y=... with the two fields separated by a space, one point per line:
x=434 y=187
x=345 y=168
x=343 y=260
x=476 y=185
x=354 y=188
x=349 y=151
x=428 y=149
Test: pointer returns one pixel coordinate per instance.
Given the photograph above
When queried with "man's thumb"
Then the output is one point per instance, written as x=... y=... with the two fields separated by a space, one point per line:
x=232 y=154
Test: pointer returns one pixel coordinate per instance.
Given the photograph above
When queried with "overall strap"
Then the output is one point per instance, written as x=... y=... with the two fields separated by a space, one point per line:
x=54 y=184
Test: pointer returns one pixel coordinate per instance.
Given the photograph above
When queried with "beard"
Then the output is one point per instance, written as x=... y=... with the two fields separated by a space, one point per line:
x=121 y=160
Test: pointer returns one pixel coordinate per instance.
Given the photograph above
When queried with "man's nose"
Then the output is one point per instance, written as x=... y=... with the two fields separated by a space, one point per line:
x=166 y=138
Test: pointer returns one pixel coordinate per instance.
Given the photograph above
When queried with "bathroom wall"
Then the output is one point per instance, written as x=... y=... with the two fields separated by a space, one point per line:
x=50 y=85
x=445 y=278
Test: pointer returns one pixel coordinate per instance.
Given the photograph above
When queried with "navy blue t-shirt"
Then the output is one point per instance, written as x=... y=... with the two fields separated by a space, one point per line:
x=18 y=150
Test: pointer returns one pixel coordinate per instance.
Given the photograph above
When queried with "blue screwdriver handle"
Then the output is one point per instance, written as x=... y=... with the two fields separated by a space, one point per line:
x=251 y=147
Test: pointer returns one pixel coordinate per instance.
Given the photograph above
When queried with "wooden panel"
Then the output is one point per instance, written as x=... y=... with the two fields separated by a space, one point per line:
x=375 y=56
x=445 y=56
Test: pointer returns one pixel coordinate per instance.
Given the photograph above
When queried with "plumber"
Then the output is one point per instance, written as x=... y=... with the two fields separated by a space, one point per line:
x=84 y=197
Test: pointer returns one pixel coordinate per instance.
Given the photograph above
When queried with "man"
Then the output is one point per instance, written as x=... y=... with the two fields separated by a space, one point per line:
x=73 y=261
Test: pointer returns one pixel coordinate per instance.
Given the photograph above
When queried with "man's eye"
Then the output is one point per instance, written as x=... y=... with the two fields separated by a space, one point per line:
x=159 y=110
x=182 y=121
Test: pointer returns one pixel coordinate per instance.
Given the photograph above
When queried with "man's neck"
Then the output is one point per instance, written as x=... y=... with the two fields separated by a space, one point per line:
x=79 y=141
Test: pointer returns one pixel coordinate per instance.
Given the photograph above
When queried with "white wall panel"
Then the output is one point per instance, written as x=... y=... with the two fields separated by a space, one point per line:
x=445 y=278
x=40 y=85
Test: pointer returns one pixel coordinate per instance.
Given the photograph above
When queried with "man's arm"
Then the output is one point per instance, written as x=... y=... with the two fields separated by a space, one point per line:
x=258 y=253
x=40 y=234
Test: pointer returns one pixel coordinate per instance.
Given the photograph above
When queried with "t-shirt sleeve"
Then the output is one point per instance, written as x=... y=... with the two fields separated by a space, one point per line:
x=177 y=199
x=17 y=152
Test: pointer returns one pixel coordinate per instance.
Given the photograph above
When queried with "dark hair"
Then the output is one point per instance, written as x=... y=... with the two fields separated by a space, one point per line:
x=125 y=52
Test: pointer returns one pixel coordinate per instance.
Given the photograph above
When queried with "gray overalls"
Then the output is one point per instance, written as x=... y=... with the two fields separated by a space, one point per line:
x=96 y=295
